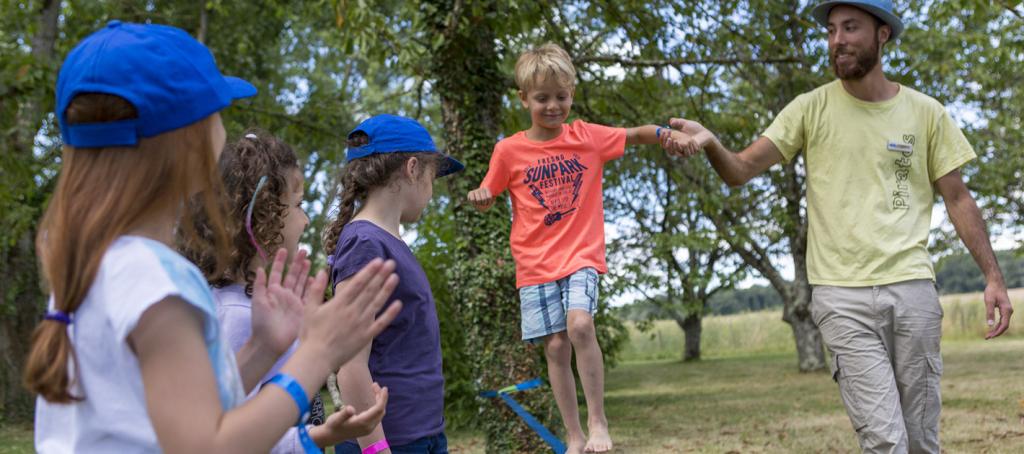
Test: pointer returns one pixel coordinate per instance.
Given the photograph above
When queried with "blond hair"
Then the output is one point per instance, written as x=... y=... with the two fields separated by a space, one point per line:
x=536 y=65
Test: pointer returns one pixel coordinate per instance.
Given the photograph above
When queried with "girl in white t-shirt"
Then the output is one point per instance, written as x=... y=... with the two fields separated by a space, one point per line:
x=263 y=191
x=130 y=357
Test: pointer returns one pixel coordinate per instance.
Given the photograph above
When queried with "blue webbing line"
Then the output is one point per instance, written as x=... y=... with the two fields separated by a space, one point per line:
x=556 y=445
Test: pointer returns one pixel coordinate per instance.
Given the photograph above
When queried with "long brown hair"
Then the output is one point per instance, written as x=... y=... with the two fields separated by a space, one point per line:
x=101 y=194
x=242 y=164
x=360 y=176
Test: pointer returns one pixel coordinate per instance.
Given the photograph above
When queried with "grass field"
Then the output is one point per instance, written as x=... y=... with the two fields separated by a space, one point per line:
x=15 y=439
x=746 y=396
x=765 y=333
x=761 y=404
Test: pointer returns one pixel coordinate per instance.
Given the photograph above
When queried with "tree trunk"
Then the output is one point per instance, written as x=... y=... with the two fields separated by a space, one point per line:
x=692 y=328
x=471 y=85
x=795 y=294
x=791 y=183
x=22 y=300
x=204 y=18
x=810 y=350
x=30 y=111
x=21 y=312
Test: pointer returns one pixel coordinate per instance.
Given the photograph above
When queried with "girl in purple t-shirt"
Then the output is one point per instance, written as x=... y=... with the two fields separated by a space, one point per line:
x=391 y=166
x=263 y=188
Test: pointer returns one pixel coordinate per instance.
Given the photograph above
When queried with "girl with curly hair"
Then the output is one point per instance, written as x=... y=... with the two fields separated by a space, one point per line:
x=263 y=191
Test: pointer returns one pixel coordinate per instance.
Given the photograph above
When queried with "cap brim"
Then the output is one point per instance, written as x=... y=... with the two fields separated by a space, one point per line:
x=240 y=88
x=821 y=11
x=452 y=166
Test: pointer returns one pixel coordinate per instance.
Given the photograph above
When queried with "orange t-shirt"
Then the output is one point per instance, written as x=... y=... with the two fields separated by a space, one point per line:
x=557 y=200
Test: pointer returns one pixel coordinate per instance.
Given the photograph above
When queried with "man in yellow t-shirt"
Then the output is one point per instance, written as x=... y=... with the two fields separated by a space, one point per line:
x=875 y=153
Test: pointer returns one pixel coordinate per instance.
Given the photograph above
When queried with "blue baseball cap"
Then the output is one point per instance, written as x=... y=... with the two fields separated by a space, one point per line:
x=882 y=9
x=395 y=134
x=170 y=78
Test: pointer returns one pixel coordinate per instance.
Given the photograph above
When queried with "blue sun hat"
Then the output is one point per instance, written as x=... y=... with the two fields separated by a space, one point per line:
x=394 y=134
x=882 y=9
x=170 y=78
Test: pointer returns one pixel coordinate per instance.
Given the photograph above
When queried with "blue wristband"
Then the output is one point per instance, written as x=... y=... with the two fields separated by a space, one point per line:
x=657 y=132
x=307 y=442
x=294 y=389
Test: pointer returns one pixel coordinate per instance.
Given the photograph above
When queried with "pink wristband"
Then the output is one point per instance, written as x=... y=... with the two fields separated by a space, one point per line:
x=379 y=446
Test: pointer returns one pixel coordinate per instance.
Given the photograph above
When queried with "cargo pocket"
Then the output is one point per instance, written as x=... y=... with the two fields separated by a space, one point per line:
x=849 y=394
x=933 y=393
x=935 y=365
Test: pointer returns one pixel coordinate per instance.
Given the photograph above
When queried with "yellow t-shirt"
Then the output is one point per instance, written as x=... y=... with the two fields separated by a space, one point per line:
x=870 y=168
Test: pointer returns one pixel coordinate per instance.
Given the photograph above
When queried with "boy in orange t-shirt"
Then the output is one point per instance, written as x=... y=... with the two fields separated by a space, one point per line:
x=553 y=172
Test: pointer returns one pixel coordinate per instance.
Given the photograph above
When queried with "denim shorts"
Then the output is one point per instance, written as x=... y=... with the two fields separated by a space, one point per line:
x=544 y=306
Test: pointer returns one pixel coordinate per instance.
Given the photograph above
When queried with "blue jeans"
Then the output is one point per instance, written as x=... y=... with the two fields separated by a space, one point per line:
x=436 y=444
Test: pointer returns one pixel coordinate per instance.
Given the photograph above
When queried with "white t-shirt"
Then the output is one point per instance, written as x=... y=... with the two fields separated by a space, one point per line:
x=234 y=309
x=135 y=273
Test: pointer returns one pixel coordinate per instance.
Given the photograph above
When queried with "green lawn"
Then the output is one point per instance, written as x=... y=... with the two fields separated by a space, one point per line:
x=15 y=439
x=746 y=395
x=762 y=404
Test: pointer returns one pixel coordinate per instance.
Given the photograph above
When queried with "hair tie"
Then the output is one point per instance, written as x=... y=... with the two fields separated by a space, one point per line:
x=252 y=136
x=248 y=217
x=58 y=316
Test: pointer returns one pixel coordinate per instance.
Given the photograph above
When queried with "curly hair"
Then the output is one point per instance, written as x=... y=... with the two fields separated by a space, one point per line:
x=242 y=164
x=361 y=175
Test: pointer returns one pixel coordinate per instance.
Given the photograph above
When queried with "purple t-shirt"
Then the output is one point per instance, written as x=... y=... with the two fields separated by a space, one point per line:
x=406 y=356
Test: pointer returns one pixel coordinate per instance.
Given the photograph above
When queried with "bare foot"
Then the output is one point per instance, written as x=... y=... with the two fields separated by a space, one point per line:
x=600 y=440
x=575 y=444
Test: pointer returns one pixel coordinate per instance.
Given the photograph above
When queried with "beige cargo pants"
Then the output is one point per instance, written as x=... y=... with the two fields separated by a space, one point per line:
x=885 y=357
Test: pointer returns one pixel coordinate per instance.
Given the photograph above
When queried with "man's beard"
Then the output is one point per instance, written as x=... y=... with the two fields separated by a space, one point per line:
x=865 y=62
